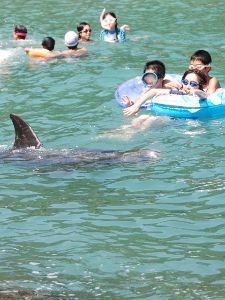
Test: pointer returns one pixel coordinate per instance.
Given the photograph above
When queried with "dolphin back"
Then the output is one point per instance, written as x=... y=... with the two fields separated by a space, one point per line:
x=25 y=137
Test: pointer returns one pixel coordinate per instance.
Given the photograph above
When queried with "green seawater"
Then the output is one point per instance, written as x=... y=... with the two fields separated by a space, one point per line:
x=147 y=230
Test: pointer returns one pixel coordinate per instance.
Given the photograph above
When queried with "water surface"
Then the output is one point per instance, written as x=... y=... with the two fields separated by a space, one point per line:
x=146 y=230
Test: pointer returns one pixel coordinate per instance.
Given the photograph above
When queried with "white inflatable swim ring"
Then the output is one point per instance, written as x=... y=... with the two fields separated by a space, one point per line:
x=176 y=106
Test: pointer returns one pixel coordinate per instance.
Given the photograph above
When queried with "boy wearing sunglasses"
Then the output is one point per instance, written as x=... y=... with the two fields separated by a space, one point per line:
x=192 y=81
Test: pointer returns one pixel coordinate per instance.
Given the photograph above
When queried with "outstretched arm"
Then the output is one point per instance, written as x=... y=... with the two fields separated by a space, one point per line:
x=101 y=15
x=125 y=27
x=101 y=18
x=133 y=109
x=40 y=53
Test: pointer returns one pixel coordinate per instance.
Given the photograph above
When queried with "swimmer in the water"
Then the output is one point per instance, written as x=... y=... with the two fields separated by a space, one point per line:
x=71 y=40
x=48 y=44
x=111 y=32
x=153 y=77
x=20 y=32
x=84 y=31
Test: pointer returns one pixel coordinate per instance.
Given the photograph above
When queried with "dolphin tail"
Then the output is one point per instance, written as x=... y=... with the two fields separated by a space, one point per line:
x=24 y=134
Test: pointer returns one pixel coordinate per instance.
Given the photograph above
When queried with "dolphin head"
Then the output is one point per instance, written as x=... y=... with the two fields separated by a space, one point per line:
x=24 y=134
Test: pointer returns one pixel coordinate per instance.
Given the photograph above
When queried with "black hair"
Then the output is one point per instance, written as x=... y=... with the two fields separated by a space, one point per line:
x=157 y=66
x=202 y=78
x=48 y=43
x=20 y=28
x=203 y=56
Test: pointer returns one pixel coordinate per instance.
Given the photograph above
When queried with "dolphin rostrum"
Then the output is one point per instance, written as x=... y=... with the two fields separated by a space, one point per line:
x=27 y=147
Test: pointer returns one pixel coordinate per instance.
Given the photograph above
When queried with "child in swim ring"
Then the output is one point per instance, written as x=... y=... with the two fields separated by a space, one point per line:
x=201 y=60
x=193 y=82
x=111 y=32
x=153 y=77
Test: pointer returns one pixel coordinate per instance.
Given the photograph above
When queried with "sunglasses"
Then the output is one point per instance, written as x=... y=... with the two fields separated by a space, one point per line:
x=87 y=30
x=191 y=83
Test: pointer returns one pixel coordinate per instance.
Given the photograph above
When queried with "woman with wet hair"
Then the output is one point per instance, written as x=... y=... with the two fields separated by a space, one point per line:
x=84 y=32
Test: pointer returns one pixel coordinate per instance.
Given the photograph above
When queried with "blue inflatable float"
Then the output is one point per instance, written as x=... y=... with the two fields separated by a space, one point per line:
x=176 y=106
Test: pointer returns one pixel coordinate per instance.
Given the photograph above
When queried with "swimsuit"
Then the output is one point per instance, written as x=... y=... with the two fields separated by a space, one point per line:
x=118 y=35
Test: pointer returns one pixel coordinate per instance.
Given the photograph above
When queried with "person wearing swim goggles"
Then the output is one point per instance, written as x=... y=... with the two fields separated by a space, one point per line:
x=201 y=60
x=150 y=79
x=153 y=77
x=193 y=82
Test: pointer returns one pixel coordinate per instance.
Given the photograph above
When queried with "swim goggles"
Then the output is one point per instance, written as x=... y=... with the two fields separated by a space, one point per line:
x=191 y=83
x=199 y=67
x=150 y=79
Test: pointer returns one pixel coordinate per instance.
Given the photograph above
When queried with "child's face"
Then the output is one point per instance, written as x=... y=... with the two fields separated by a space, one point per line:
x=197 y=64
x=109 y=23
x=190 y=82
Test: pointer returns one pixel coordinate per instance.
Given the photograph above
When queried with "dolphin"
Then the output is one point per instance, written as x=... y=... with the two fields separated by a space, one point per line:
x=28 y=147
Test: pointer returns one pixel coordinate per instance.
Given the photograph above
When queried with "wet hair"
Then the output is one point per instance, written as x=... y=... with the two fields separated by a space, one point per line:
x=48 y=43
x=202 y=78
x=112 y=14
x=157 y=66
x=81 y=26
x=203 y=56
x=20 y=29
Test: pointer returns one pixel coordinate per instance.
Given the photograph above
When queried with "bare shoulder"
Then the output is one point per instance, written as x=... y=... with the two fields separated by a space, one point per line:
x=77 y=52
x=82 y=51
x=214 y=81
x=165 y=82
x=213 y=85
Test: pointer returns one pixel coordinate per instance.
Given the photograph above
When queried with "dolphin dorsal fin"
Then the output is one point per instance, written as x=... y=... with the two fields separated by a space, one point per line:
x=24 y=134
